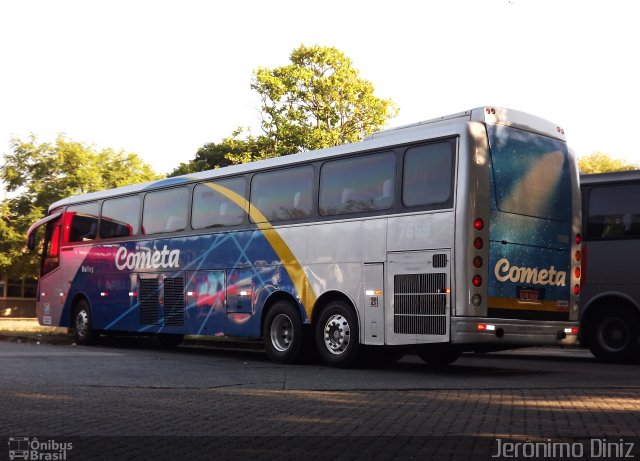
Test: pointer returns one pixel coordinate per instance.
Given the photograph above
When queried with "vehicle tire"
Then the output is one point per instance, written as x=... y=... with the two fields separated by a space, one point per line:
x=376 y=356
x=438 y=355
x=83 y=332
x=282 y=333
x=337 y=335
x=614 y=335
x=169 y=340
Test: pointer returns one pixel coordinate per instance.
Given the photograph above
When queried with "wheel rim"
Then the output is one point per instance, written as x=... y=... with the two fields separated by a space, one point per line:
x=281 y=332
x=613 y=334
x=337 y=334
x=82 y=323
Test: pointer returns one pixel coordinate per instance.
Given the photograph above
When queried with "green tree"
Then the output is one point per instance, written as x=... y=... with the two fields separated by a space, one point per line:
x=599 y=162
x=214 y=155
x=319 y=100
x=38 y=174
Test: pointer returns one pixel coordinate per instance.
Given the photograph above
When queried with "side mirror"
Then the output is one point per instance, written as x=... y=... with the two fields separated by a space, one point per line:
x=31 y=241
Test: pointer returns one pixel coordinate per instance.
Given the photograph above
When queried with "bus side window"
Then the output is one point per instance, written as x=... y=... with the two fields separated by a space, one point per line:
x=427 y=175
x=284 y=194
x=83 y=222
x=611 y=214
x=120 y=217
x=165 y=210
x=212 y=208
x=357 y=184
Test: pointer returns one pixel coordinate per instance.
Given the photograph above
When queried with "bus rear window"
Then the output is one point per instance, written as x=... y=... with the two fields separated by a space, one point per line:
x=531 y=173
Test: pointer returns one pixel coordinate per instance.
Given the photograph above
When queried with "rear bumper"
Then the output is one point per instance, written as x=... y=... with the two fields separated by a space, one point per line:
x=511 y=332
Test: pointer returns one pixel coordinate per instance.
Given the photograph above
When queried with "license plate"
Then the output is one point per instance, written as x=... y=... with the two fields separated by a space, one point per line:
x=530 y=295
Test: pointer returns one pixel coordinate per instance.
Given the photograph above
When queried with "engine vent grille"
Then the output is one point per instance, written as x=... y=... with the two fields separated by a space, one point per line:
x=149 y=302
x=174 y=301
x=420 y=304
x=439 y=260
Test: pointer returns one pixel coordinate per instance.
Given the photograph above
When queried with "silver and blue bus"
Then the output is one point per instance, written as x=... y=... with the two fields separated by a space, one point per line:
x=455 y=234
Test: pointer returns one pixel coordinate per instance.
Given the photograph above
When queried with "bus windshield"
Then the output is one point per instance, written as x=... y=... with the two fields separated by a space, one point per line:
x=531 y=173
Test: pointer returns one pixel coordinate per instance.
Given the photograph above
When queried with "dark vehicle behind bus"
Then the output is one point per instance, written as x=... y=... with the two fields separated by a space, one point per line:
x=610 y=295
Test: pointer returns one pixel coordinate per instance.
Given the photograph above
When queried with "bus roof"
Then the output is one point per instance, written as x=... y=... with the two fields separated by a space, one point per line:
x=399 y=135
x=614 y=176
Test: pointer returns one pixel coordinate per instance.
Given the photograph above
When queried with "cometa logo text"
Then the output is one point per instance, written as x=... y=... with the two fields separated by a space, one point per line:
x=145 y=258
x=505 y=272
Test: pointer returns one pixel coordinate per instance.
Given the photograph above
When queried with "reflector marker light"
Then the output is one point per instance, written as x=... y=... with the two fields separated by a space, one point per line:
x=104 y=293
x=571 y=331
x=477 y=262
x=485 y=327
x=245 y=293
x=578 y=239
x=192 y=293
x=133 y=294
x=373 y=292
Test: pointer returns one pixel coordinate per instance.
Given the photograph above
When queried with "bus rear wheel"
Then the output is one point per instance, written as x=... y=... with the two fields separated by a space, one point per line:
x=83 y=332
x=282 y=333
x=438 y=355
x=614 y=335
x=336 y=334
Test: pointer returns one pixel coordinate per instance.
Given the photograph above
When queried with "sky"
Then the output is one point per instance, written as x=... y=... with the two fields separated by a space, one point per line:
x=163 y=78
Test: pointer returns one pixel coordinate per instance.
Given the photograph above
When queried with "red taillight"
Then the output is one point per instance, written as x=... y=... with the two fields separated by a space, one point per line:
x=577 y=272
x=477 y=243
x=576 y=290
x=578 y=239
x=477 y=281
x=578 y=255
x=478 y=224
x=477 y=262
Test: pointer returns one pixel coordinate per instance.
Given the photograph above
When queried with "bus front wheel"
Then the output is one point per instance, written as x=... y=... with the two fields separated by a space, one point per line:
x=83 y=332
x=336 y=335
x=282 y=333
x=614 y=335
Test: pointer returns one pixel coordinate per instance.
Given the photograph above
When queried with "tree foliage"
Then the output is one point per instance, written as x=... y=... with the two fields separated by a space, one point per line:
x=38 y=174
x=318 y=100
x=599 y=162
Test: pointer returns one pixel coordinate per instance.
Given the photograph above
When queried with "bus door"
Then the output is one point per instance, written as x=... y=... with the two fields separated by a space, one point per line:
x=374 y=303
x=420 y=303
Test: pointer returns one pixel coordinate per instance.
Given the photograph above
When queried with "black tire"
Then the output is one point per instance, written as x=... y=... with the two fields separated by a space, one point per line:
x=337 y=335
x=282 y=333
x=613 y=335
x=169 y=340
x=82 y=321
x=438 y=355
x=376 y=356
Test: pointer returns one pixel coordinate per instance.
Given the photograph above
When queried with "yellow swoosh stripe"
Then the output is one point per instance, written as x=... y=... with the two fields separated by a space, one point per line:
x=291 y=264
